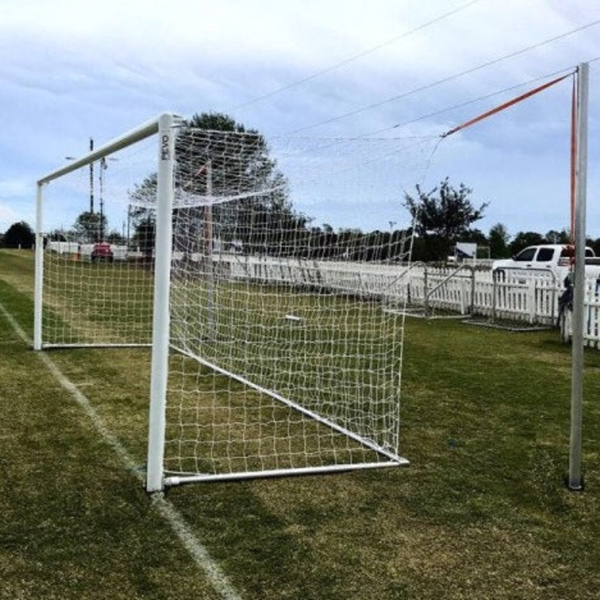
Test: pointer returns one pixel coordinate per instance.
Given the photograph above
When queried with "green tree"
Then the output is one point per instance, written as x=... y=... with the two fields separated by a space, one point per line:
x=114 y=237
x=558 y=237
x=524 y=239
x=595 y=246
x=499 y=238
x=142 y=216
x=349 y=242
x=57 y=235
x=90 y=226
x=19 y=235
x=442 y=216
x=475 y=236
x=219 y=157
x=143 y=238
x=221 y=163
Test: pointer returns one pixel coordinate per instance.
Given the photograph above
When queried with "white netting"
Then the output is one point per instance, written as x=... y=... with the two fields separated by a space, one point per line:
x=286 y=296
x=289 y=335
x=98 y=278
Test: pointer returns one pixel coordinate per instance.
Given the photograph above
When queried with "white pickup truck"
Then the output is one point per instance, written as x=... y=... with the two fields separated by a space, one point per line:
x=553 y=258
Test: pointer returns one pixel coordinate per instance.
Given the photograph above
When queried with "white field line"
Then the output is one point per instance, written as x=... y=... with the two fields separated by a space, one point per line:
x=169 y=513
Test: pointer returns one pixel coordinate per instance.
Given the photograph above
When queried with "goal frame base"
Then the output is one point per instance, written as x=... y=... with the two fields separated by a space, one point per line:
x=176 y=480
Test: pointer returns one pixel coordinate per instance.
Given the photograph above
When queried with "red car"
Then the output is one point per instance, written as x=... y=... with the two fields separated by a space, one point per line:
x=102 y=252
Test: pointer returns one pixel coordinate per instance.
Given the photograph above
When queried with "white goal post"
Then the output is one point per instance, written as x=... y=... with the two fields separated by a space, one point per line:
x=276 y=346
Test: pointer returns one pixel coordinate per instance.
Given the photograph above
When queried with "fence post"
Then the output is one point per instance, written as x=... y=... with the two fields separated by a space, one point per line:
x=531 y=288
x=472 y=309
x=425 y=293
x=463 y=297
x=494 y=290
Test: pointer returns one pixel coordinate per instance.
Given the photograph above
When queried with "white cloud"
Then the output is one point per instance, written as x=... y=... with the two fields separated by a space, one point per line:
x=73 y=69
x=8 y=216
x=14 y=187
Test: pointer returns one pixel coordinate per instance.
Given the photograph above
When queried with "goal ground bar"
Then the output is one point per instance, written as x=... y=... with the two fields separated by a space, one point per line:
x=173 y=480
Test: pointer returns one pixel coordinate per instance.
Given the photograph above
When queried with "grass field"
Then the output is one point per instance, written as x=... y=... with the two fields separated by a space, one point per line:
x=482 y=512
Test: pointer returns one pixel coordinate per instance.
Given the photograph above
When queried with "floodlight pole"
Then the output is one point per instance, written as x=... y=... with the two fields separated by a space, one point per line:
x=575 y=479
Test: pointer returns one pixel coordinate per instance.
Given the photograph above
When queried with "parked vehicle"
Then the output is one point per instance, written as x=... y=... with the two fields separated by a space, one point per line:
x=102 y=252
x=554 y=258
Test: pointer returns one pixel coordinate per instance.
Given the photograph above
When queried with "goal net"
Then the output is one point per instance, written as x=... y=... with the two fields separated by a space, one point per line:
x=95 y=275
x=276 y=342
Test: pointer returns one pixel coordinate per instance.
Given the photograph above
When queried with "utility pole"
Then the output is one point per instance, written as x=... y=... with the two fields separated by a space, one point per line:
x=101 y=177
x=91 y=179
x=128 y=226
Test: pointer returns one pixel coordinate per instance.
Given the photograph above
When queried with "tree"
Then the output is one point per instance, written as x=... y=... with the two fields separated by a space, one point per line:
x=475 y=236
x=442 y=216
x=595 y=246
x=57 y=235
x=499 y=238
x=258 y=213
x=143 y=238
x=90 y=226
x=558 y=237
x=250 y=194
x=524 y=239
x=19 y=235
x=114 y=237
x=142 y=216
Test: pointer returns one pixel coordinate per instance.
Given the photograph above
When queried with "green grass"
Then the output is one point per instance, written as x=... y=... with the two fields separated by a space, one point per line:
x=482 y=512
x=88 y=302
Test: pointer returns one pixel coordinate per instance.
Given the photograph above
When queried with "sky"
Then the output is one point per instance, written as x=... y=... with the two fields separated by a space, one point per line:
x=73 y=69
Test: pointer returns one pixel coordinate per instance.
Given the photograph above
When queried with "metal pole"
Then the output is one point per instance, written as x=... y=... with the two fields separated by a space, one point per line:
x=209 y=249
x=91 y=179
x=208 y=225
x=575 y=477
x=39 y=269
x=127 y=139
x=101 y=177
x=161 y=318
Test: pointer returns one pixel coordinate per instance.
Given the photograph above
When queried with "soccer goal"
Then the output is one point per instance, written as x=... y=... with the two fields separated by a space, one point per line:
x=276 y=344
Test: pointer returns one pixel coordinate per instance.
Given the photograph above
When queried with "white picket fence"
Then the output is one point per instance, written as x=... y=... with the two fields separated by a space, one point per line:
x=532 y=298
x=522 y=298
x=591 y=318
x=591 y=334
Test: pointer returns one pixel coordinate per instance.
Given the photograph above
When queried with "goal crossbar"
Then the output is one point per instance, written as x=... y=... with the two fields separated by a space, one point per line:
x=129 y=138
